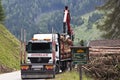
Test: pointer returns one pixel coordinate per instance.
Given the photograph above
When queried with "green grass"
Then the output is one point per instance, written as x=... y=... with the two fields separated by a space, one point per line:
x=9 y=49
x=72 y=75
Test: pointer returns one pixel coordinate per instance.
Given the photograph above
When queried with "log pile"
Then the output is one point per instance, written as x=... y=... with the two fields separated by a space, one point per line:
x=65 y=44
x=104 y=50
x=104 y=67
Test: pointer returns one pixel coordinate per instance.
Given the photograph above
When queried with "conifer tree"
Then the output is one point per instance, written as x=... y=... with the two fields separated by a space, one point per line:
x=111 y=26
x=2 y=15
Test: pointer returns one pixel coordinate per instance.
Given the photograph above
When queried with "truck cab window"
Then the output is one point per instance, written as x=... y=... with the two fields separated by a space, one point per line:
x=39 y=48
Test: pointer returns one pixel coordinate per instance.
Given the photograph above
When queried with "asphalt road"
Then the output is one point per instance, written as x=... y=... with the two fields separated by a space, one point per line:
x=12 y=76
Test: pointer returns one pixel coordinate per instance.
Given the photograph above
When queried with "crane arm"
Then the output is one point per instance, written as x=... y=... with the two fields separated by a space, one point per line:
x=66 y=20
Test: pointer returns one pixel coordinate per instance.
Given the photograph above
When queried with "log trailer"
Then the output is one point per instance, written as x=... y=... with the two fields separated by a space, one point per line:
x=48 y=54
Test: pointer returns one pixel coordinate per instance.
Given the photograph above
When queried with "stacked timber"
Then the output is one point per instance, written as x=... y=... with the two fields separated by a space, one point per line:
x=104 y=61
x=65 y=44
x=104 y=67
x=103 y=50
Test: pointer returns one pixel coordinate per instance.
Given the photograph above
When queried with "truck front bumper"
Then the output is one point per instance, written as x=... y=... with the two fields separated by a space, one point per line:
x=37 y=74
x=37 y=71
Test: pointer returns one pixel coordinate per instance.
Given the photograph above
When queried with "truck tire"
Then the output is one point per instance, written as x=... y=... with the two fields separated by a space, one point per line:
x=22 y=78
x=57 y=68
x=53 y=75
x=69 y=66
x=63 y=69
x=64 y=66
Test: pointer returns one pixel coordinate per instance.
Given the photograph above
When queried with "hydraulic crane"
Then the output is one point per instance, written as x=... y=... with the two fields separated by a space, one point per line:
x=66 y=21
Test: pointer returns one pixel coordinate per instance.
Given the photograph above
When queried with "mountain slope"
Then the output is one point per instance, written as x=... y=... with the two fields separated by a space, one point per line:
x=87 y=30
x=9 y=51
x=39 y=16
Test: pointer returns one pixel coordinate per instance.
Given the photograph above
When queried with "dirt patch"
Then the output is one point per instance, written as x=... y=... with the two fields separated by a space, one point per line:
x=4 y=69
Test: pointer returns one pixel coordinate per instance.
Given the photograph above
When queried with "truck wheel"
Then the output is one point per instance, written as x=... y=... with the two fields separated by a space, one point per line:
x=69 y=66
x=23 y=79
x=63 y=69
x=53 y=75
x=64 y=66
x=57 y=69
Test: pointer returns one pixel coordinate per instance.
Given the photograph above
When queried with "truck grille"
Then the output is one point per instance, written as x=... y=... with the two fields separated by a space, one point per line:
x=39 y=60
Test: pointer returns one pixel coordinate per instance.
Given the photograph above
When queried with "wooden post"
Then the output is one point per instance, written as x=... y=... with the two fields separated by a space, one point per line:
x=21 y=50
x=80 y=72
x=24 y=46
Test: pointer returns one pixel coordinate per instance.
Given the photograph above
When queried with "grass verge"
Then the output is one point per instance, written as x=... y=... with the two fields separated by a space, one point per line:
x=9 y=50
x=72 y=75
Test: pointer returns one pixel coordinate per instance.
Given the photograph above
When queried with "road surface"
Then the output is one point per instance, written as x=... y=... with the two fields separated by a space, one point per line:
x=12 y=76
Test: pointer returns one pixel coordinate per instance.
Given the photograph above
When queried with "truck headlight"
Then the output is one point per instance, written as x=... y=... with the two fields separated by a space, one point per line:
x=49 y=67
x=24 y=67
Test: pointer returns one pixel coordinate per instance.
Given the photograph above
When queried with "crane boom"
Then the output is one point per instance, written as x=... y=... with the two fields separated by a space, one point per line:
x=66 y=20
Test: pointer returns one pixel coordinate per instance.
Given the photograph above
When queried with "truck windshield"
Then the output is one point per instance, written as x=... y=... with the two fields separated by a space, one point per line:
x=39 y=47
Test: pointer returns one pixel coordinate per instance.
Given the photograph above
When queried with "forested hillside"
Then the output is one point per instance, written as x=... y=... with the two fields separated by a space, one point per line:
x=39 y=16
x=88 y=31
x=111 y=21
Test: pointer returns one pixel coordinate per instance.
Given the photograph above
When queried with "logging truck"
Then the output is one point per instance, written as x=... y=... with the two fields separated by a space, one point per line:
x=48 y=54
